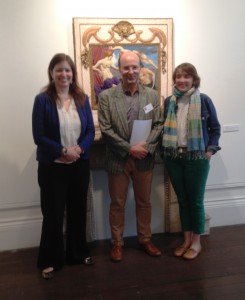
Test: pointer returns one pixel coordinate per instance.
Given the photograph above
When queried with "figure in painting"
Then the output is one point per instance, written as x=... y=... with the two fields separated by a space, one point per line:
x=103 y=67
x=147 y=77
x=145 y=59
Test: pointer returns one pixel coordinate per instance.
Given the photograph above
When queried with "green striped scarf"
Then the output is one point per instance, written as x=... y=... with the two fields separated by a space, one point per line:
x=195 y=143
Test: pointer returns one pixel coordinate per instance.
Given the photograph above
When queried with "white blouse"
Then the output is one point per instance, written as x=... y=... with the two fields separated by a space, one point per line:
x=70 y=124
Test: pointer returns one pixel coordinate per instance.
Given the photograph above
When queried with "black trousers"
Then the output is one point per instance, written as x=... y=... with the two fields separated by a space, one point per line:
x=63 y=186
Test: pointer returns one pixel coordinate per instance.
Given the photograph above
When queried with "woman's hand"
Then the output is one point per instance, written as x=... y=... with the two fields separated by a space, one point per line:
x=209 y=154
x=72 y=154
x=79 y=150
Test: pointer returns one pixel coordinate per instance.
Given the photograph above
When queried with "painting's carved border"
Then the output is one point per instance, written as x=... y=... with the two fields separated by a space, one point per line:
x=119 y=28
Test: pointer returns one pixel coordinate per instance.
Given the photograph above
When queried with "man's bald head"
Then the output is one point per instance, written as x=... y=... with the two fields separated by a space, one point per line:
x=127 y=55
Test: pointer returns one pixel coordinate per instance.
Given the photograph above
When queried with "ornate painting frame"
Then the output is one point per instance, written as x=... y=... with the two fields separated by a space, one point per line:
x=142 y=35
x=97 y=43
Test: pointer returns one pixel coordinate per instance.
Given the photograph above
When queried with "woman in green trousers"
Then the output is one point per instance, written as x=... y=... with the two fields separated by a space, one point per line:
x=190 y=137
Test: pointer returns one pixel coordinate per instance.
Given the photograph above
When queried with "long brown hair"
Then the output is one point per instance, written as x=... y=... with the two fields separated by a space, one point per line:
x=76 y=92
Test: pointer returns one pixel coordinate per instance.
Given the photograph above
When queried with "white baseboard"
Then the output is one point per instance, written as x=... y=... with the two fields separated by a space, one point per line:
x=230 y=212
x=18 y=234
x=226 y=204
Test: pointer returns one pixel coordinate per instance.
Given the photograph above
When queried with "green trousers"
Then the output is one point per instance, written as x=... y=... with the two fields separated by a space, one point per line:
x=189 y=177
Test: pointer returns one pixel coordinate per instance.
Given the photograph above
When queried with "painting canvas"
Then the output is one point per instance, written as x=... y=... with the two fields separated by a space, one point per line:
x=104 y=66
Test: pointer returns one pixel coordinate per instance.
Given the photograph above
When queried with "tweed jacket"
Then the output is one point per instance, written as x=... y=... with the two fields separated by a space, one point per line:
x=46 y=129
x=112 y=118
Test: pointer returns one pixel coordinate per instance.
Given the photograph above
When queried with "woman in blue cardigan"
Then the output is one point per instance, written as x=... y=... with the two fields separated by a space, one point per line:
x=191 y=137
x=63 y=131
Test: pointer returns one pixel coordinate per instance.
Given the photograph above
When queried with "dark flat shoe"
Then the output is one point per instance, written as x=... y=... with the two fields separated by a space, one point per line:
x=88 y=261
x=48 y=275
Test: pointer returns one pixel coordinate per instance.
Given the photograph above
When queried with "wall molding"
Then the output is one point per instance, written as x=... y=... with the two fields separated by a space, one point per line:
x=223 y=186
x=12 y=222
x=19 y=205
x=229 y=195
x=228 y=202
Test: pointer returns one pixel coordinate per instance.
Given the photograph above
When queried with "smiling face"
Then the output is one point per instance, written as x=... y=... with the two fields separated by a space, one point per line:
x=129 y=68
x=185 y=77
x=62 y=75
x=183 y=81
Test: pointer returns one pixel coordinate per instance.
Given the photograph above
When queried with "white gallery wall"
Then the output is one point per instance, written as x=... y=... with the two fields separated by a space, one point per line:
x=207 y=33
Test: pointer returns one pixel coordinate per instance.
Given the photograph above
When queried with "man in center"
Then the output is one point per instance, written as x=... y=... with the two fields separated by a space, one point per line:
x=119 y=106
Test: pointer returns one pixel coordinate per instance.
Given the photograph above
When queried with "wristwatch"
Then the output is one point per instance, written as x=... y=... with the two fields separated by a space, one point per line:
x=64 y=151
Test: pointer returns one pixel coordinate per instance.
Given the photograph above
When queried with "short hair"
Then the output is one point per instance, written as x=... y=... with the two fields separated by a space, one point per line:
x=190 y=70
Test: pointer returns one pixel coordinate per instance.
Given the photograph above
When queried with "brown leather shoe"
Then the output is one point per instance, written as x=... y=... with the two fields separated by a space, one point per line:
x=116 y=253
x=191 y=253
x=150 y=249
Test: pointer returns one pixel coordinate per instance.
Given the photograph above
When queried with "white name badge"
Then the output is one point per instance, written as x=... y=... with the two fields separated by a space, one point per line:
x=148 y=108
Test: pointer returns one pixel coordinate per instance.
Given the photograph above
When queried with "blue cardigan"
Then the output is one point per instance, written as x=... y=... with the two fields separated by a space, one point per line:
x=46 y=129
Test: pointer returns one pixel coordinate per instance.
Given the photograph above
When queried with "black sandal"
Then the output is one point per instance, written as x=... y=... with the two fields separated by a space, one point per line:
x=48 y=275
x=88 y=261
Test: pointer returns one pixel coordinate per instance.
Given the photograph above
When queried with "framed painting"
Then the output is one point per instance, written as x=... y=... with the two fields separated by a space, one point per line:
x=98 y=42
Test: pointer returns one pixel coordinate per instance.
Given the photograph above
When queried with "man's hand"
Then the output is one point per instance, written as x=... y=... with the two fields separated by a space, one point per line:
x=138 y=151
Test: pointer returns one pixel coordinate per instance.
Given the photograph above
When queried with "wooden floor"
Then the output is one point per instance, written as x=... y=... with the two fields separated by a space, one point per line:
x=218 y=273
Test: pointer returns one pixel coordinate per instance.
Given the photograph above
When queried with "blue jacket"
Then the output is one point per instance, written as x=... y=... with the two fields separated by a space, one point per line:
x=210 y=123
x=46 y=129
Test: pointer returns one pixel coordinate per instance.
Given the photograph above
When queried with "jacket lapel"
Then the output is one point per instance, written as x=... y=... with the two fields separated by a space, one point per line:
x=121 y=109
x=143 y=103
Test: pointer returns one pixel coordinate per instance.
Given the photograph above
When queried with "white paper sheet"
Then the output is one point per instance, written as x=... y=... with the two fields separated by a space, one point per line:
x=140 y=132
